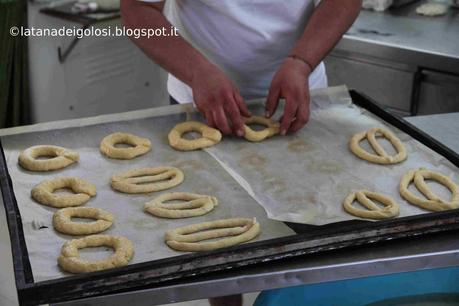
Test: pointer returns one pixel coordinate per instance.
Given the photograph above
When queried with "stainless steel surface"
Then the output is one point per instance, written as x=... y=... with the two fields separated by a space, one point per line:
x=438 y=93
x=402 y=36
x=438 y=251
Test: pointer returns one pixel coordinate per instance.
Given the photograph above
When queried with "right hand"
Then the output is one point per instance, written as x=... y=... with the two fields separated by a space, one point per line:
x=219 y=100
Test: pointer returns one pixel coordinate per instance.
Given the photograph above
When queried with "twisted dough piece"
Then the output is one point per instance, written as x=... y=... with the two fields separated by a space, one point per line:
x=145 y=180
x=433 y=202
x=62 y=220
x=390 y=210
x=140 y=146
x=59 y=158
x=210 y=136
x=188 y=238
x=196 y=205
x=381 y=157
x=70 y=260
x=272 y=128
x=44 y=194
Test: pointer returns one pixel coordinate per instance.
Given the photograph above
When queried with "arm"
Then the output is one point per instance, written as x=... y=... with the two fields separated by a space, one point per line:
x=330 y=20
x=214 y=93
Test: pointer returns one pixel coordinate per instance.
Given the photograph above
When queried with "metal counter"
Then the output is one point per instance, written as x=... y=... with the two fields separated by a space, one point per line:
x=435 y=251
x=401 y=35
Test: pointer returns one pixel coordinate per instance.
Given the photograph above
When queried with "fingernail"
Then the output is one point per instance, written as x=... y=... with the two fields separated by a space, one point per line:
x=239 y=133
x=267 y=114
x=283 y=132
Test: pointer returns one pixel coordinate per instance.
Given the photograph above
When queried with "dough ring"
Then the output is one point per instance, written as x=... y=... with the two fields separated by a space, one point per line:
x=381 y=156
x=196 y=205
x=70 y=260
x=62 y=220
x=390 y=210
x=44 y=194
x=433 y=202
x=272 y=128
x=145 y=180
x=210 y=136
x=59 y=158
x=139 y=145
x=236 y=231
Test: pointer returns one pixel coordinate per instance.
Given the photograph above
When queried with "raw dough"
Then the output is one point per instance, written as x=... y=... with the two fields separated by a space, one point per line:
x=433 y=202
x=140 y=146
x=272 y=128
x=374 y=211
x=432 y=9
x=59 y=158
x=145 y=180
x=196 y=205
x=62 y=220
x=70 y=260
x=44 y=194
x=188 y=238
x=381 y=157
x=210 y=136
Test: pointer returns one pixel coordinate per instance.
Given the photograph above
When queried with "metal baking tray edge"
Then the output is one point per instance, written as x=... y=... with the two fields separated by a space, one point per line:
x=309 y=240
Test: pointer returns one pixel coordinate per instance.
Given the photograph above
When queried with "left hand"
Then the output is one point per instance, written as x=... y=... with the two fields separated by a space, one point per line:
x=291 y=83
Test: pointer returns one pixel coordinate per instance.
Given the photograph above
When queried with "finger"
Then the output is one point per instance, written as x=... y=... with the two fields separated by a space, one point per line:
x=302 y=117
x=290 y=110
x=272 y=101
x=242 y=106
x=232 y=111
x=220 y=120
x=210 y=119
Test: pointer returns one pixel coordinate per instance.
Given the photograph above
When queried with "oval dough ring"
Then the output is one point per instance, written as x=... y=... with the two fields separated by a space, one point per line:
x=272 y=128
x=188 y=238
x=210 y=136
x=381 y=157
x=432 y=202
x=62 y=220
x=70 y=260
x=136 y=181
x=390 y=210
x=61 y=158
x=140 y=146
x=196 y=205
x=44 y=194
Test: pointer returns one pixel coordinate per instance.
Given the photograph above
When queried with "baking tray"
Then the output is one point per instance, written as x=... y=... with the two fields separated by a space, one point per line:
x=309 y=240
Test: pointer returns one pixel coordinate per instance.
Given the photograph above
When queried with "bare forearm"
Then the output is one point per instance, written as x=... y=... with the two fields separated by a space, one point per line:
x=330 y=20
x=172 y=53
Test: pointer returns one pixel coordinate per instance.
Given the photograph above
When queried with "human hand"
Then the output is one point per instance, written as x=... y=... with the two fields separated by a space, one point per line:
x=291 y=83
x=218 y=99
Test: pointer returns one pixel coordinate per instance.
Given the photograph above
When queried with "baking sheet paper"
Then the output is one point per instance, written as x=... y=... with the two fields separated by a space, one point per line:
x=304 y=178
x=203 y=175
x=299 y=178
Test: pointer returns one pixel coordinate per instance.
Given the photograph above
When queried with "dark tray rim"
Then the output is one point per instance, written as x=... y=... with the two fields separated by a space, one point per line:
x=309 y=240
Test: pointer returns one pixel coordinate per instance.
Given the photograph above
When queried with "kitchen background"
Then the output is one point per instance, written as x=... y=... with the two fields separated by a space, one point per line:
x=403 y=60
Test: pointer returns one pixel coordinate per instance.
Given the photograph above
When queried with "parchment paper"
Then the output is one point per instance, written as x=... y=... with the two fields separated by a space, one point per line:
x=304 y=178
x=202 y=175
x=301 y=178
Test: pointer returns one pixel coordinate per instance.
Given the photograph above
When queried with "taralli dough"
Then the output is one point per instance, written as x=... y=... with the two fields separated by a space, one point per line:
x=272 y=128
x=189 y=238
x=432 y=9
x=210 y=136
x=145 y=180
x=432 y=202
x=196 y=205
x=390 y=209
x=62 y=220
x=44 y=194
x=59 y=158
x=139 y=145
x=381 y=157
x=70 y=260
